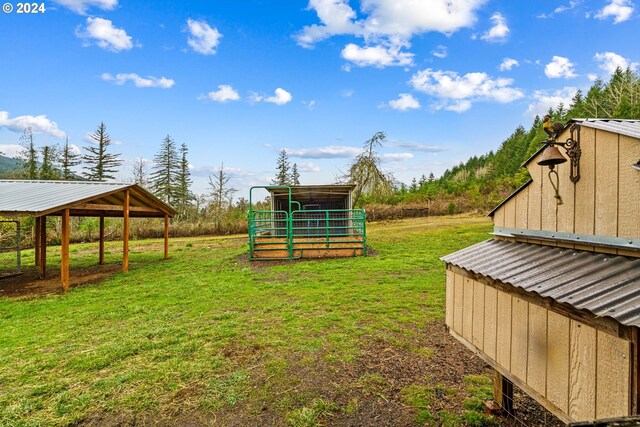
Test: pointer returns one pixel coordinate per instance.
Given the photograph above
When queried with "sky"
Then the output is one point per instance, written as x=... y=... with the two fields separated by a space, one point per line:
x=240 y=80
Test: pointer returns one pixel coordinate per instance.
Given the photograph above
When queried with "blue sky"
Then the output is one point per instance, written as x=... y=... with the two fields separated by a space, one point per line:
x=239 y=80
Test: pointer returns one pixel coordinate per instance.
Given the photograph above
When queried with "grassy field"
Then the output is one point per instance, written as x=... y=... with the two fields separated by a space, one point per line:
x=207 y=337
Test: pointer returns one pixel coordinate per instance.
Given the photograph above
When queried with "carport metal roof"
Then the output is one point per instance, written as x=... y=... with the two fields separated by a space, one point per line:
x=82 y=198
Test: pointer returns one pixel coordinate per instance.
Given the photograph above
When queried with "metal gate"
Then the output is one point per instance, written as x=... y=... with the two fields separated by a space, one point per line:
x=9 y=248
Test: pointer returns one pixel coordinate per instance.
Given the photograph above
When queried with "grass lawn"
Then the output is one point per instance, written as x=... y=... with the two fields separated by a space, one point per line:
x=207 y=337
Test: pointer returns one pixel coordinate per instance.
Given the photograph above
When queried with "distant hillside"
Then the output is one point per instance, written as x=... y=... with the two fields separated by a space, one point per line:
x=9 y=166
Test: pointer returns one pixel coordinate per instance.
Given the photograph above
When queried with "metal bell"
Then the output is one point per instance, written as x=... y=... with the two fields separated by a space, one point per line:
x=551 y=156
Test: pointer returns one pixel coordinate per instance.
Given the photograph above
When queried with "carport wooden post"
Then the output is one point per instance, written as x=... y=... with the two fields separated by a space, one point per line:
x=166 y=236
x=64 y=252
x=101 y=248
x=125 y=234
x=36 y=241
x=43 y=247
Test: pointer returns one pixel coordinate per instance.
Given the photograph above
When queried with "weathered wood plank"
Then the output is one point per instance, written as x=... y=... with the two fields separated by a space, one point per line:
x=458 y=306
x=606 y=190
x=522 y=208
x=498 y=217
x=449 y=290
x=467 y=311
x=629 y=181
x=582 y=372
x=537 y=349
x=503 y=339
x=477 y=338
x=510 y=213
x=566 y=211
x=519 y=337
x=490 y=321
x=558 y=360
x=613 y=375
x=534 y=214
x=585 y=188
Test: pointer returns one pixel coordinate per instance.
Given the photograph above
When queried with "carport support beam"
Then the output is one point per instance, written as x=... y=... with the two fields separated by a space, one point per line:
x=125 y=234
x=36 y=241
x=43 y=247
x=101 y=248
x=166 y=236
x=64 y=251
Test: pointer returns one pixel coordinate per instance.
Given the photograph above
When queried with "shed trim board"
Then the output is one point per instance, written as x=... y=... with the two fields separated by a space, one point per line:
x=40 y=199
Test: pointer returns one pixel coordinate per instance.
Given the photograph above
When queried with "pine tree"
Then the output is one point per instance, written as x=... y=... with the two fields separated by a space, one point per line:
x=29 y=155
x=184 y=196
x=100 y=165
x=295 y=175
x=48 y=168
x=282 y=169
x=68 y=159
x=165 y=171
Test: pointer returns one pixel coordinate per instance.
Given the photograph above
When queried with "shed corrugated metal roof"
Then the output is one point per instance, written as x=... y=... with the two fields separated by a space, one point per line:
x=31 y=196
x=603 y=284
x=628 y=127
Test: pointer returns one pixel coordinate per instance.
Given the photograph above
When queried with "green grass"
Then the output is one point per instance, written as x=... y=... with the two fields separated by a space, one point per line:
x=207 y=331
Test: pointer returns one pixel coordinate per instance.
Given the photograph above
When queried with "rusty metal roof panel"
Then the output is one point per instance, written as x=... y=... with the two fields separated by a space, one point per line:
x=603 y=284
x=18 y=197
x=628 y=127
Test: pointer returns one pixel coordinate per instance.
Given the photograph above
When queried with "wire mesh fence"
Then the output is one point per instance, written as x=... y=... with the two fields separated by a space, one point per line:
x=9 y=248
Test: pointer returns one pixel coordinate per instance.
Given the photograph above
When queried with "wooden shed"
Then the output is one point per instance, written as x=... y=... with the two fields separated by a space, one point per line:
x=41 y=199
x=307 y=221
x=552 y=301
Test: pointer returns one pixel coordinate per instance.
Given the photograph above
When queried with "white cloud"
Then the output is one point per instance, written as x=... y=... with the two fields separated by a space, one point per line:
x=440 y=51
x=81 y=6
x=499 y=31
x=348 y=93
x=458 y=93
x=419 y=147
x=308 y=167
x=592 y=77
x=543 y=100
x=280 y=97
x=149 y=81
x=559 y=67
x=38 y=124
x=387 y=26
x=225 y=93
x=104 y=34
x=309 y=104
x=10 y=150
x=404 y=102
x=203 y=39
x=507 y=64
x=327 y=152
x=609 y=61
x=377 y=56
x=619 y=10
x=396 y=157
x=560 y=9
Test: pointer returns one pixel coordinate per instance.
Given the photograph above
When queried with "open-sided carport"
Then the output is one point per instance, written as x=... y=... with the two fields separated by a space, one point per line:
x=40 y=199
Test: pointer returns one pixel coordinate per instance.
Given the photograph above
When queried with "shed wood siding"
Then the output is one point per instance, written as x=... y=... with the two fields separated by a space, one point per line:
x=583 y=372
x=605 y=202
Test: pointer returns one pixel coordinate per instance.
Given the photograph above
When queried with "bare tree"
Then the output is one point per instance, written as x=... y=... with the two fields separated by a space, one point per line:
x=140 y=174
x=366 y=173
x=221 y=195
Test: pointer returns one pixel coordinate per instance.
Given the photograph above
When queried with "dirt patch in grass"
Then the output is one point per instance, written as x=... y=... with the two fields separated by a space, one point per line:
x=28 y=283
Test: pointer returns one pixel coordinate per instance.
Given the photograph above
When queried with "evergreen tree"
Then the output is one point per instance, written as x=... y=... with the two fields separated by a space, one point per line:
x=48 y=168
x=100 y=164
x=282 y=169
x=68 y=159
x=431 y=178
x=295 y=175
x=166 y=169
x=366 y=174
x=29 y=155
x=184 y=196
